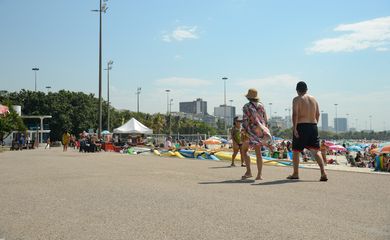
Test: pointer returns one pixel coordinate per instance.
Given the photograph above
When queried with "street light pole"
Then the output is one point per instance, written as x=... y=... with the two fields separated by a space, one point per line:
x=35 y=71
x=224 y=101
x=170 y=105
x=109 y=67
x=335 y=120
x=138 y=93
x=102 y=8
x=270 y=110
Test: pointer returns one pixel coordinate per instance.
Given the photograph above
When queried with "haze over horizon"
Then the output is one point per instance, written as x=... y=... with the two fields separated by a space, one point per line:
x=341 y=49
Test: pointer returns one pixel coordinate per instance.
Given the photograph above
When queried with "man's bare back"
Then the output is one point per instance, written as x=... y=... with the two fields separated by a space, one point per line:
x=306 y=109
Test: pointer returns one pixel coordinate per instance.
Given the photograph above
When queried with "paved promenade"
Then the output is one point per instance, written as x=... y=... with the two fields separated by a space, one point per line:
x=55 y=195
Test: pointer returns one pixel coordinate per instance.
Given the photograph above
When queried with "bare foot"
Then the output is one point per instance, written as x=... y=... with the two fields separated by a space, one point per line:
x=259 y=177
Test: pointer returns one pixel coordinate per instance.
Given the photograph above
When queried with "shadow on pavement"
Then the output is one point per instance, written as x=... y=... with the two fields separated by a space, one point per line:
x=221 y=167
x=230 y=181
x=282 y=181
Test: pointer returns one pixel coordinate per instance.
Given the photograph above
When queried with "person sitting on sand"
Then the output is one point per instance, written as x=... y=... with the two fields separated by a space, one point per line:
x=168 y=143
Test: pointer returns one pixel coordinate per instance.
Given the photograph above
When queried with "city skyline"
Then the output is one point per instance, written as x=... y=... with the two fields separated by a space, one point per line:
x=341 y=50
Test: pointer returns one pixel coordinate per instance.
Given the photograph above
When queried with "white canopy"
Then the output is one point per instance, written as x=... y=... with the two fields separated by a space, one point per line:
x=133 y=126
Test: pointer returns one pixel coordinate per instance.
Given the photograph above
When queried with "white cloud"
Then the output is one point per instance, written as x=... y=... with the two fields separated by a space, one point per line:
x=374 y=33
x=181 y=33
x=183 y=82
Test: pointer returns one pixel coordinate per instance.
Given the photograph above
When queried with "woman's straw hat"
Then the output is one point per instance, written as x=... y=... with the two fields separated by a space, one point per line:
x=252 y=94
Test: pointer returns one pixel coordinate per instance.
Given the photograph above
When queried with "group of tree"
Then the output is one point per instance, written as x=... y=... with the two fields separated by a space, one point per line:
x=369 y=135
x=77 y=112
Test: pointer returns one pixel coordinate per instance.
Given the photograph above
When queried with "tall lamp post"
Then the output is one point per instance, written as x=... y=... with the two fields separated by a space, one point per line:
x=270 y=109
x=35 y=71
x=102 y=9
x=335 y=120
x=138 y=93
x=167 y=91
x=224 y=101
x=109 y=67
x=170 y=105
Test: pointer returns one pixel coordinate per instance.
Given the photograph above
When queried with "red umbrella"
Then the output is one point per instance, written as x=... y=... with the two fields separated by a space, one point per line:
x=385 y=149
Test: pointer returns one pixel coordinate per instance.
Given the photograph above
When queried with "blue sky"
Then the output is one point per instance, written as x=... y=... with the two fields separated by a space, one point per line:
x=340 y=48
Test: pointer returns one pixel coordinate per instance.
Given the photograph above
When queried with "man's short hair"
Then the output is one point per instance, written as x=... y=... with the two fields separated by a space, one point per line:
x=301 y=87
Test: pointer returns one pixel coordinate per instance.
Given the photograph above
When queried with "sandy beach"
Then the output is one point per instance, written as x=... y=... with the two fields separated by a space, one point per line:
x=69 y=195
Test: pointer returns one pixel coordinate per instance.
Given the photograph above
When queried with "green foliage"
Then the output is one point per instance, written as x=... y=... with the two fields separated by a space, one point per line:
x=10 y=122
x=77 y=112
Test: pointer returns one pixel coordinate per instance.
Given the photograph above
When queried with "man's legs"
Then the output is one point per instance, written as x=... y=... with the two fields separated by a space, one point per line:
x=295 y=164
x=320 y=162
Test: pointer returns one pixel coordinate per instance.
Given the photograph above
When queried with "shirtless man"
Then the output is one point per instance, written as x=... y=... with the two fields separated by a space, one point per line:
x=305 y=132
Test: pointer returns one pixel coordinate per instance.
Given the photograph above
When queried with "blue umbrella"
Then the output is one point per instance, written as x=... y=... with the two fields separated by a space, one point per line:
x=354 y=148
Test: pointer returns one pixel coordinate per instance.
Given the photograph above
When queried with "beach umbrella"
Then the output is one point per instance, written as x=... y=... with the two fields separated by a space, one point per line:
x=329 y=143
x=354 y=148
x=385 y=149
x=212 y=141
x=337 y=148
x=105 y=132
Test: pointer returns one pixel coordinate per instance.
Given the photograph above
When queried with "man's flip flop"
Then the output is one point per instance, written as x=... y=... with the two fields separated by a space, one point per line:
x=291 y=177
x=324 y=178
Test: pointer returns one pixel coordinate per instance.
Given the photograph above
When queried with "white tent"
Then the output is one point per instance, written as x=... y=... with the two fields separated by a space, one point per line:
x=133 y=127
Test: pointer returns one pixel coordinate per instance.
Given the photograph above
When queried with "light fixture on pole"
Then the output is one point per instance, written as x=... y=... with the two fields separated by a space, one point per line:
x=102 y=9
x=138 y=93
x=270 y=110
x=167 y=91
x=48 y=88
x=224 y=101
x=35 y=71
x=109 y=67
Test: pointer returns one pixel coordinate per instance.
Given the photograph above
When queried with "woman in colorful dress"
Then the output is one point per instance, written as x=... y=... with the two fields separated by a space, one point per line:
x=256 y=126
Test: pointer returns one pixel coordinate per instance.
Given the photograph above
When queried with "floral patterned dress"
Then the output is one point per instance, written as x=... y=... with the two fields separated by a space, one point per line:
x=254 y=122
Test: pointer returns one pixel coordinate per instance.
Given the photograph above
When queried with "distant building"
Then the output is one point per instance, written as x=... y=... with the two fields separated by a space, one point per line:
x=278 y=122
x=341 y=124
x=230 y=113
x=324 y=122
x=195 y=107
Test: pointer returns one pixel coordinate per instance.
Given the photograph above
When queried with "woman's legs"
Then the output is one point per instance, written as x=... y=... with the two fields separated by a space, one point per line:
x=259 y=162
x=244 y=154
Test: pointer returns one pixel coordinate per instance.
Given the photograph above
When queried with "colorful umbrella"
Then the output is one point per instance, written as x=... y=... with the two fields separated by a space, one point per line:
x=385 y=149
x=354 y=148
x=337 y=148
x=212 y=141
x=329 y=143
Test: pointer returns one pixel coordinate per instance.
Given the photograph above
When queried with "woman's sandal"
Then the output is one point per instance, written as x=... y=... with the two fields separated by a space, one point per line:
x=245 y=177
x=291 y=177
x=324 y=178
